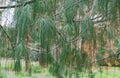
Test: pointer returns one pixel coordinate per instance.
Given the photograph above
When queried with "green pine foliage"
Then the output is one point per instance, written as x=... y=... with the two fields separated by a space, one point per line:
x=66 y=24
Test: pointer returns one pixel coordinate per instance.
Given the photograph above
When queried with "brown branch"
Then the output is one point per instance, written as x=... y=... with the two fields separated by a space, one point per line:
x=39 y=50
x=17 y=5
x=102 y=59
x=34 y=49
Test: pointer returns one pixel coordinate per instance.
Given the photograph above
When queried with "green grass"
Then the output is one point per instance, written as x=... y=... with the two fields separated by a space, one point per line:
x=105 y=72
x=39 y=72
x=36 y=69
x=44 y=73
x=108 y=74
x=3 y=75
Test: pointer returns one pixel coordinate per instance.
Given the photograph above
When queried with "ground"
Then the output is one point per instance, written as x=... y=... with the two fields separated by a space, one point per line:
x=6 y=71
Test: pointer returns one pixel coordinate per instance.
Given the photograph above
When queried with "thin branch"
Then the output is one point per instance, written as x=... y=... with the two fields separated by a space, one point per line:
x=103 y=59
x=8 y=37
x=34 y=49
x=17 y=5
x=39 y=50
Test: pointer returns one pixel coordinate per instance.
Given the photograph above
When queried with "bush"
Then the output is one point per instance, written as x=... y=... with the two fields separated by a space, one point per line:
x=36 y=69
x=3 y=75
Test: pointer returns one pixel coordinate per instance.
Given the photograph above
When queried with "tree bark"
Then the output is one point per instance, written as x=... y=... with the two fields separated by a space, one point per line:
x=27 y=58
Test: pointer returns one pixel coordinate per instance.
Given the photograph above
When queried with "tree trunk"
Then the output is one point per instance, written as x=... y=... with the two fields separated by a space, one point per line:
x=27 y=58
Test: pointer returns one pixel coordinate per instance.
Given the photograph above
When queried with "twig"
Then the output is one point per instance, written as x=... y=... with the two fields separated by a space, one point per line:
x=17 y=5
x=8 y=37
x=101 y=60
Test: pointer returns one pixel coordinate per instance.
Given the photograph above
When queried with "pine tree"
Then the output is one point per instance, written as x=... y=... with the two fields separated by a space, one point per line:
x=65 y=33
